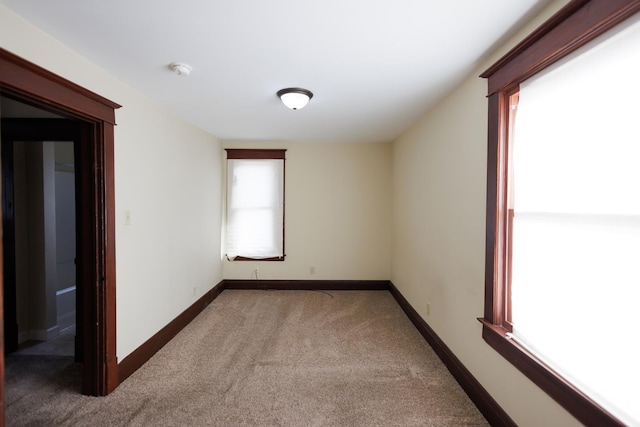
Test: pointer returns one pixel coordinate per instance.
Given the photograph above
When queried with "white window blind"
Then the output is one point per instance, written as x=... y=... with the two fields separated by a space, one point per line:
x=255 y=211
x=576 y=233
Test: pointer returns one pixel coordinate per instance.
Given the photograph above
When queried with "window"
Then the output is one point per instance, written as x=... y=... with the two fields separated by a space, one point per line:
x=255 y=205
x=563 y=219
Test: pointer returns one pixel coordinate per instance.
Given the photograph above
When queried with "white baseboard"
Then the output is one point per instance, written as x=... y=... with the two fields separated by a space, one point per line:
x=67 y=320
x=43 y=335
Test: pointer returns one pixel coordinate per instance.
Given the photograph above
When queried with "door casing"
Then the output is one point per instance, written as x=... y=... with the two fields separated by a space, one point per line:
x=29 y=83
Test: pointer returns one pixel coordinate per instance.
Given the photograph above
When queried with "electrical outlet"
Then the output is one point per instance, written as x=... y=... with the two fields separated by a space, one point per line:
x=312 y=270
x=428 y=309
x=195 y=291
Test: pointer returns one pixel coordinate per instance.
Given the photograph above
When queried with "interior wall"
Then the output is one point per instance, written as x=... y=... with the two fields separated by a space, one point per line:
x=167 y=176
x=337 y=213
x=35 y=213
x=65 y=216
x=40 y=206
x=439 y=189
x=65 y=200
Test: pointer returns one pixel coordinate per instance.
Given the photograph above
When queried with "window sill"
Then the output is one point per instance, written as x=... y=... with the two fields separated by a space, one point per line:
x=242 y=258
x=572 y=399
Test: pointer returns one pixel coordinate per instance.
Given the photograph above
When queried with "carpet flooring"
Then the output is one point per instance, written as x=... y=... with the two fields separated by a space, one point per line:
x=262 y=358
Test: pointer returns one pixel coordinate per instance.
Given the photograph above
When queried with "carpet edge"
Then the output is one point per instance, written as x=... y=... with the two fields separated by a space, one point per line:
x=142 y=354
x=491 y=410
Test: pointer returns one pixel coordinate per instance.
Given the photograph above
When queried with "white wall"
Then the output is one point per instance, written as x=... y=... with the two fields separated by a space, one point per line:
x=337 y=213
x=439 y=190
x=167 y=174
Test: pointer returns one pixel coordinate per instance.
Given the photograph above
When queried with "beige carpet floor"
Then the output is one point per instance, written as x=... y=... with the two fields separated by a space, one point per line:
x=263 y=358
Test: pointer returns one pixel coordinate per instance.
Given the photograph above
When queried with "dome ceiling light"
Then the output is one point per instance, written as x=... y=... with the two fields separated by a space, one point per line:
x=295 y=98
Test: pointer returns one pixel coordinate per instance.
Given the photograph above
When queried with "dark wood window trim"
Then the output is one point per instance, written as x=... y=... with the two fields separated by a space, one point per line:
x=249 y=153
x=579 y=22
x=261 y=154
x=32 y=84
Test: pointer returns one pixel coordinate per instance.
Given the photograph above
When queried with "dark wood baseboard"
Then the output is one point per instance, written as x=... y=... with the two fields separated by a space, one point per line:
x=478 y=394
x=139 y=357
x=306 y=285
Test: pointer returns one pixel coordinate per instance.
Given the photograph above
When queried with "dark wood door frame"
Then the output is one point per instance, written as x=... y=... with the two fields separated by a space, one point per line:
x=32 y=84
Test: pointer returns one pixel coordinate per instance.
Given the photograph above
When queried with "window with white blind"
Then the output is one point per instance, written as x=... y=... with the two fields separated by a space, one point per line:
x=255 y=205
x=563 y=212
x=576 y=218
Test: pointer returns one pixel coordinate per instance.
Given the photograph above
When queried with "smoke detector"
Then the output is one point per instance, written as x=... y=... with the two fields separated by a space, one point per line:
x=180 y=68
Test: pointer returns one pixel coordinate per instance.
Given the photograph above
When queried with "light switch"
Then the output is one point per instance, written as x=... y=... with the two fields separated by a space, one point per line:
x=127 y=217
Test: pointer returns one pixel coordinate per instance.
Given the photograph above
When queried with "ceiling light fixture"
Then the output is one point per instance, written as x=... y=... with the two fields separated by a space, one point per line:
x=180 y=69
x=295 y=98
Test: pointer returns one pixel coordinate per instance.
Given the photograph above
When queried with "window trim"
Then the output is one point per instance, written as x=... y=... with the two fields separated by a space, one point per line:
x=262 y=154
x=579 y=22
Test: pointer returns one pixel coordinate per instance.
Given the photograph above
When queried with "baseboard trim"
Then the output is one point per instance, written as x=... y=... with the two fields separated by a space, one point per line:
x=142 y=354
x=478 y=394
x=323 y=285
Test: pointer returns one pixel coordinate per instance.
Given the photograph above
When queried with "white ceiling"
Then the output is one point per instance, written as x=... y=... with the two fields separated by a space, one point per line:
x=374 y=66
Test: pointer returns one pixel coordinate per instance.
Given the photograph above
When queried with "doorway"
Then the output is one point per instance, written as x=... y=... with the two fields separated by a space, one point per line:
x=30 y=84
x=41 y=300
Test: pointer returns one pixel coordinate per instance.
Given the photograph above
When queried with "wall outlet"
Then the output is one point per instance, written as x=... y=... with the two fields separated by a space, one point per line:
x=428 y=309
x=195 y=291
x=312 y=270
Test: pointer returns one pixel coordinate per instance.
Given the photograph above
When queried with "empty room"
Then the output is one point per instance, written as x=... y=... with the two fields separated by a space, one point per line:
x=340 y=213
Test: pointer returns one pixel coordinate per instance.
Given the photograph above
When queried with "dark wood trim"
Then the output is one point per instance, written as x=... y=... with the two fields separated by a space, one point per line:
x=572 y=27
x=2 y=375
x=478 y=394
x=142 y=354
x=34 y=85
x=107 y=242
x=581 y=406
x=492 y=198
x=244 y=258
x=324 y=285
x=45 y=88
x=536 y=35
x=255 y=153
x=87 y=325
x=567 y=10
x=284 y=206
